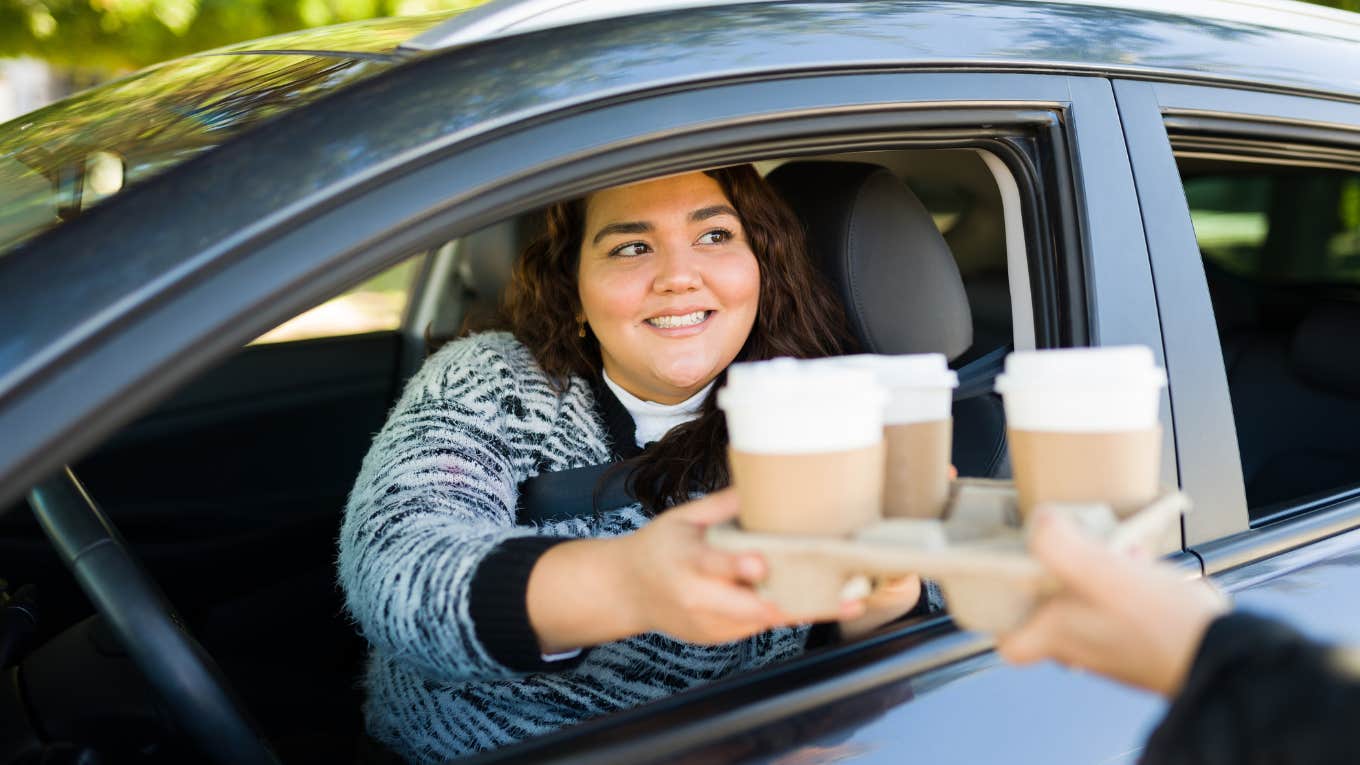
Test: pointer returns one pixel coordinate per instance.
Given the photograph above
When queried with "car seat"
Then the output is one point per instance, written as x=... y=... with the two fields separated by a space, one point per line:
x=900 y=285
x=1296 y=405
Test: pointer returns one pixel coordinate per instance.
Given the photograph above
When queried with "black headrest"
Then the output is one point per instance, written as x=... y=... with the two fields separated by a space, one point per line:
x=487 y=255
x=881 y=250
x=1322 y=348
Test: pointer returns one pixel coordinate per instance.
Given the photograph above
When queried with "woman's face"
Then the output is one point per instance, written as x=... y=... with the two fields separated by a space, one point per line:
x=668 y=284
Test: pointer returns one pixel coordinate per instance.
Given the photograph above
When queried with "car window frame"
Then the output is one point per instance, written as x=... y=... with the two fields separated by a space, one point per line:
x=1220 y=530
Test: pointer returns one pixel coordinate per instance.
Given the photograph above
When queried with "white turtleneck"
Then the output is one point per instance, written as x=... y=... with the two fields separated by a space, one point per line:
x=651 y=420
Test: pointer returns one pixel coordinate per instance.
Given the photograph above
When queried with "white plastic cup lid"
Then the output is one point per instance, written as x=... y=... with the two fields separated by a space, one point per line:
x=919 y=385
x=1111 y=389
x=791 y=406
x=911 y=370
x=1122 y=366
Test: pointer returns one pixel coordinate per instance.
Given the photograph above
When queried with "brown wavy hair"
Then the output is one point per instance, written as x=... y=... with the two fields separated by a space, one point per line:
x=796 y=316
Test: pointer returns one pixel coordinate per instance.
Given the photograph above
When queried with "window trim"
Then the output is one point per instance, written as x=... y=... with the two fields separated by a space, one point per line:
x=1220 y=531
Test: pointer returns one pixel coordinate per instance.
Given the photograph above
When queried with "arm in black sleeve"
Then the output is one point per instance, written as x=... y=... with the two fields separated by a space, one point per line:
x=1259 y=692
x=498 y=605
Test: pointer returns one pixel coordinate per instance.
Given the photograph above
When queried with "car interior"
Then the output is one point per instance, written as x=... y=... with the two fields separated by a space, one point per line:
x=230 y=492
x=1281 y=251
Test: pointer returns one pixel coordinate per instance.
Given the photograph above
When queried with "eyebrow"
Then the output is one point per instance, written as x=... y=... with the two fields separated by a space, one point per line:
x=712 y=211
x=643 y=227
x=629 y=227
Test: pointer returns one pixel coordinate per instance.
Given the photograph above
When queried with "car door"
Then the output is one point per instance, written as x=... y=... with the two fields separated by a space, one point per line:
x=480 y=154
x=1252 y=208
x=1080 y=239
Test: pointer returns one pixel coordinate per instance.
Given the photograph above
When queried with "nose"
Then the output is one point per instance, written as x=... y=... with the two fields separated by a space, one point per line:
x=677 y=271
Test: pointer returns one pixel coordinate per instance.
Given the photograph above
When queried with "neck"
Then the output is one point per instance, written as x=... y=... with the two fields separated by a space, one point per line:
x=668 y=398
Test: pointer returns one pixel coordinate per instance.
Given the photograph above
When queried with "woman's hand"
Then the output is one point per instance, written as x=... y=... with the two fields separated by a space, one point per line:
x=1130 y=619
x=693 y=592
x=889 y=600
x=662 y=578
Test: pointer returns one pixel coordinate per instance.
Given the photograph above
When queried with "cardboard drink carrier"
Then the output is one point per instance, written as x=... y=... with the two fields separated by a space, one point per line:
x=976 y=553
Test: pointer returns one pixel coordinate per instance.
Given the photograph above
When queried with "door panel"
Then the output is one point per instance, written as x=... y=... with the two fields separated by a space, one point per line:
x=236 y=481
x=1313 y=588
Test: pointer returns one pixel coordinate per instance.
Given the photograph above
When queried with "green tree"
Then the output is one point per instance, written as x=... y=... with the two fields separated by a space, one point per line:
x=114 y=36
x=105 y=37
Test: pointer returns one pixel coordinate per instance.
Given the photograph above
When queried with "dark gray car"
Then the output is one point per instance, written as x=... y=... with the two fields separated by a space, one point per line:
x=1102 y=173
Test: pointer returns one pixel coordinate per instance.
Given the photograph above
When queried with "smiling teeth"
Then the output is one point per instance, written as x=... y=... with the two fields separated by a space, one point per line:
x=671 y=322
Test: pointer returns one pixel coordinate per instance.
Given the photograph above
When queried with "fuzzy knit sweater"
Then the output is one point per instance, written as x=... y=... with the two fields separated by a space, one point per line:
x=435 y=569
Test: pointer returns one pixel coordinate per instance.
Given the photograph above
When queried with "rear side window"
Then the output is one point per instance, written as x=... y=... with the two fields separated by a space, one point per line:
x=1280 y=227
x=377 y=305
x=1281 y=249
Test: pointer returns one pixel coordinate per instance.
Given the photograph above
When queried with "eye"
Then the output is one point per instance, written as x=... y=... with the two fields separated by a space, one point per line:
x=630 y=250
x=716 y=236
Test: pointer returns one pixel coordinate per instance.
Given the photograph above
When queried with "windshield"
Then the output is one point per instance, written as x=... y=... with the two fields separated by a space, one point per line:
x=57 y=162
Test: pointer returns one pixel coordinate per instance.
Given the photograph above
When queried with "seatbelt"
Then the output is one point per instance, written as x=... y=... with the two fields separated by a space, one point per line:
x=575 y=493
x=585 y=491
x=978 y=376
x=582 y=492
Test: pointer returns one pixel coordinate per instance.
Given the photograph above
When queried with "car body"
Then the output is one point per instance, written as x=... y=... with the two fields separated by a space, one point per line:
x=305 y=164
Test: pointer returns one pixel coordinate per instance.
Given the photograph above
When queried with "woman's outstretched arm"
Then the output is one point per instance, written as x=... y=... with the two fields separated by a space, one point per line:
x=661 y=578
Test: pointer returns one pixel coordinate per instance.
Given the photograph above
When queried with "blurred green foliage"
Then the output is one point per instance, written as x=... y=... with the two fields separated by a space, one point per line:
x=115 y=36
x=105 y=37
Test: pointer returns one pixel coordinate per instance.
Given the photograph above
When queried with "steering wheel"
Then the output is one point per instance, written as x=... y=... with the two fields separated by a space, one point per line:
x=194 y=690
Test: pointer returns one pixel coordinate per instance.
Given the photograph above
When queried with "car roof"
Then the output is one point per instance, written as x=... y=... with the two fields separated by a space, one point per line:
x=501 y=18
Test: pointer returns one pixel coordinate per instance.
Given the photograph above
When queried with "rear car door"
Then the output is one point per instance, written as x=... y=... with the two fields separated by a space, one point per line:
x=1252 y=206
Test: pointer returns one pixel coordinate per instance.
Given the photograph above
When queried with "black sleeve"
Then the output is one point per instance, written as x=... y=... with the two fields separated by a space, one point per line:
x=1259 y=692
x=497 y=603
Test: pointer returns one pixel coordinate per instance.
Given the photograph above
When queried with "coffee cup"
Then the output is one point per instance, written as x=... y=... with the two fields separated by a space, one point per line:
x=805 y=446
x=1083 y=425
x=917 y=430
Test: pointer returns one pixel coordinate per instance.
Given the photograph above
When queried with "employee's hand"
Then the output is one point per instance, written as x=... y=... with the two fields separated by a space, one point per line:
x=1128 y=618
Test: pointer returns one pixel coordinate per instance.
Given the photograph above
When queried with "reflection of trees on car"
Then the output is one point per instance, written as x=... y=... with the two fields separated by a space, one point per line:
x=186 y=107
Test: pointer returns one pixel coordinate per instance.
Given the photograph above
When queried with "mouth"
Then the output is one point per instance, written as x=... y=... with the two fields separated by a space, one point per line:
x=678 y=321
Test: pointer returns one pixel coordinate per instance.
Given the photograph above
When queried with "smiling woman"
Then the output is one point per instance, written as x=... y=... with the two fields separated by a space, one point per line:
x=621 y=318
x=671 y=295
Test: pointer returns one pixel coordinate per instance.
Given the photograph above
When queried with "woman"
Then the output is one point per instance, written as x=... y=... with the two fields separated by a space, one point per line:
x=622 y=320
x=1244 y=689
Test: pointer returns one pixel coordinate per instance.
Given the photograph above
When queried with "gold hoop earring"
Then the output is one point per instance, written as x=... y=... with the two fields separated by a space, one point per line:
x=580 y=326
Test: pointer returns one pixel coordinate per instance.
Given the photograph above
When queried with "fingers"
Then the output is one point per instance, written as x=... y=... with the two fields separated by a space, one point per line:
x=900 y=593
x=748 y=568
x=1060 y=630
x=1080 y=562
x=735 y=605
x=953 y=472
x=718 y=507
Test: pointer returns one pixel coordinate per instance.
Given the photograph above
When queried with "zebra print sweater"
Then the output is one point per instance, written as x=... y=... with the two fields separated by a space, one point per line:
x=434 y=503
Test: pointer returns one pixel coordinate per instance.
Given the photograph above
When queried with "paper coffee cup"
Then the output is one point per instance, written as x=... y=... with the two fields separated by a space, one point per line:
x=806 y=446
x=917 y=429
x=1082 y=425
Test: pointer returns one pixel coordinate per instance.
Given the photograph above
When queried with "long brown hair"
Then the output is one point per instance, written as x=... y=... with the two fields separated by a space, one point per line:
x=796 y=316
